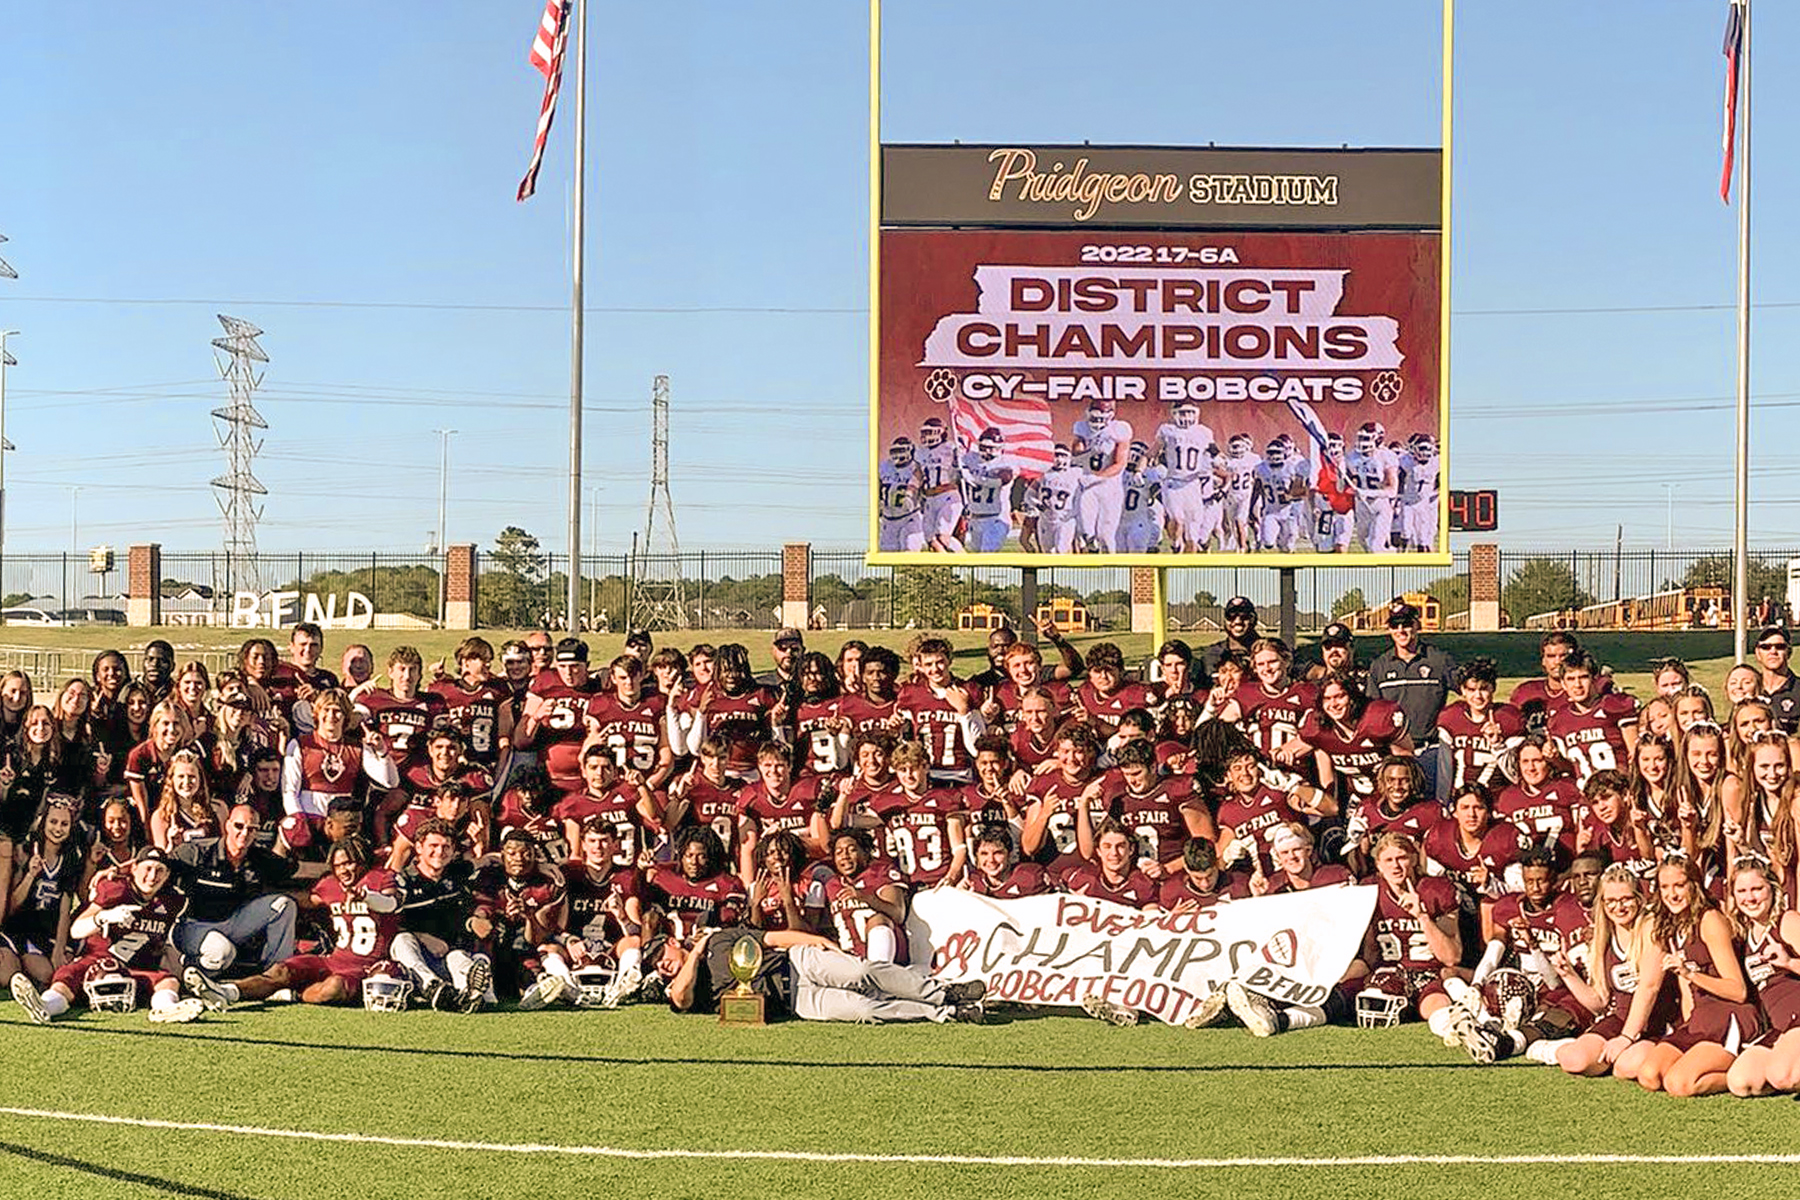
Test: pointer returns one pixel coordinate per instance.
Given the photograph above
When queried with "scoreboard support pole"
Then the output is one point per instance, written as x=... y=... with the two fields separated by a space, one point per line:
x=1289 y=606
x=1159 y=599
x=1028 y=604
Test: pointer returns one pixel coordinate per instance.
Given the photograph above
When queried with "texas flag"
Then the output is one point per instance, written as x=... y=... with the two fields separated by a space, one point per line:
x=1734 y=53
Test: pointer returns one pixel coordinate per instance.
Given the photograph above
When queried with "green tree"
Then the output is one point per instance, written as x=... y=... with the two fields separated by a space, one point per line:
x=926 y=597
x=409 y=589
x=1715 y=570
x=1541 y=585
x=1352 y=601
x=514 y=593
x=1451 y=591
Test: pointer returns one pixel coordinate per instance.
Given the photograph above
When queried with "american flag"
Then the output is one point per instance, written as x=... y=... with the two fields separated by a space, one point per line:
x=1025 y=424
x=1734 y=51
x=547 y=56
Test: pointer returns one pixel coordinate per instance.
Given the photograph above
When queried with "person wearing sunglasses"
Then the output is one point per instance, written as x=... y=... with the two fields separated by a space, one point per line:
x=234 y=896
x=1778 y=682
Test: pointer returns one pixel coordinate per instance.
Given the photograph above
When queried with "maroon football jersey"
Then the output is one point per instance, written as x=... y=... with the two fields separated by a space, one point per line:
x=1499 y=848
x=356 y=930
x=918 y=830
x=822 y=750
x=1621 y=845
x=283 y=684
x=1059 y=838
x=530 y=897
x=403 y=722
x=865 y=714
x=544 y=827
x=850 y=915
x=631 y=732
x=1546 y=815
x=1475 y=753
x=1025 y=879
x=1536 y=701
x=476 y=713
x=1272 y=718
x=562 y=725
x=1414 y=820
x=1178 y=889
x=327 y=769
x=939 y=728
x=137 y=941
x=1329 y=875
x=1105 y=711
x=693 y=904
x=617 y=807
x=1154 y=816
x=792 y=812
x=1136 y=890
x=1356 y=754
x=716 y=807
x=420 y=784
x=1253 y=818
x=742 y=723
x=1556 y=927
x=1030 y=752
x=1007 y=695
x=597 y=899
x=1399 y=937
x=1592 y=736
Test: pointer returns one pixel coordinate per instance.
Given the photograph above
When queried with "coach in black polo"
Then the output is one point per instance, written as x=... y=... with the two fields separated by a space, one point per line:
x=1778 y=681
x=1418 y=677
x=234 y=896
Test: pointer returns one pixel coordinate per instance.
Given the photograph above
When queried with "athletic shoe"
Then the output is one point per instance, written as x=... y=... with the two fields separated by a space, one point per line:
x=1257 y=1014
x=439 y=995
x=971 y=1013
x=965 y=993
x=624 y=986
x=1479 y=1042
x=25 y=993
x=1209 y=1010
x=178 y=1013
x=474 y=992
x=546 y=991
x=216 y=996
x=1102 y=1009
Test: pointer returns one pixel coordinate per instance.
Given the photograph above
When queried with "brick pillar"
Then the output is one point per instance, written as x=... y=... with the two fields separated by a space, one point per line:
x=796 y=584
x=459 y=586
x=1143 y=599
x=143 y=585
x=1484 y=588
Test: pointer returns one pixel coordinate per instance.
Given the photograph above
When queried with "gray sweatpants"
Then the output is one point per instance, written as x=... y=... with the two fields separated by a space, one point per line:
x=830 y=985
x=214 y=944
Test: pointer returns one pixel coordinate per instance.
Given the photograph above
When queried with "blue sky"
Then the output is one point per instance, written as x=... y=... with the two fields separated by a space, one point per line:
x=345 y=180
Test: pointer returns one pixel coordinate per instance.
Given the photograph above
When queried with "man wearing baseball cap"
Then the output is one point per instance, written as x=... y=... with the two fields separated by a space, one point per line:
x=1773 y=646
x=1336 y=655
x=1240 y=632
x=788 y=646
x=1418 y=677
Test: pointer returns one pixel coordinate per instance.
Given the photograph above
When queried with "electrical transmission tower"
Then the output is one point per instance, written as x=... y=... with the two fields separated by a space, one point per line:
x=658 y=601
x=236 y=355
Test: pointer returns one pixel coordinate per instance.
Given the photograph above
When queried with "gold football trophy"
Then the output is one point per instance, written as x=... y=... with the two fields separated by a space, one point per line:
x=741 y=1006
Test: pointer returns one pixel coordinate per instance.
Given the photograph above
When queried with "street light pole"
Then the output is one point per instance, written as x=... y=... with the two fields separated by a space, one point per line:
x=6 y=360
x=443 y=544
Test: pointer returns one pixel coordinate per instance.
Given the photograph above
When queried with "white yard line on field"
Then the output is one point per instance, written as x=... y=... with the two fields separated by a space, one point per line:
x=963 y=1160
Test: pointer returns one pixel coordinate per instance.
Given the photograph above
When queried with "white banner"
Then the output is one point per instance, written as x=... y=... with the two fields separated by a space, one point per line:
x=1056 y=950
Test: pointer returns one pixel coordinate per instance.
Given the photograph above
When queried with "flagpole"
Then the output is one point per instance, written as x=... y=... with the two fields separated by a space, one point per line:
x=580 y=248
x=1740 y=579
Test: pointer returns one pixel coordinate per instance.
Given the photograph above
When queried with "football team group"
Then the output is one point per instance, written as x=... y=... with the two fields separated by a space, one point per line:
x=1106 y=491
x=1569 y=875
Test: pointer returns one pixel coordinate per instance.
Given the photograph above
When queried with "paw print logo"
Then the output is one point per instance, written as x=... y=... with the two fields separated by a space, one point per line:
x=1386 y=388
x=940 y=385
x=952 y=958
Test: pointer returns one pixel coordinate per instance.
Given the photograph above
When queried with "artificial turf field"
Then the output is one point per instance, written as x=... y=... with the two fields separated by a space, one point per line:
x=1025 y=1086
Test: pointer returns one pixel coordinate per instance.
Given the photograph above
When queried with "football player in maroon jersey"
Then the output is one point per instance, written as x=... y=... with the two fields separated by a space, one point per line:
x=1106 y=695
x=606 y=910
x=1770 y=929
x=401 y=711
x=1113 y=874
x=873 y=707
x=787 y=892
x=1542 y=806
x=1471 y=847
x=738 y=711
x=926 y=825
x=1270 y=706
x=1593 y=730
x=705 y=796
x=449 y=804
x=1348 y=733
x=475 y=700
x=1200 y=884
x=943 y=712
x=992 y=801
x=446 y=759
x=998 y=874
x=300 y=677
x=1162 y=813
x=778 y=801
x=1413 y=933
x=1692 y=941
x=1399 y=803
x=125 y=929
x=1475 y=732
x=629 y=809
x=1024 y=672
x=1296 y=868
x=530 y=911
x=697 y=892
x=1252 y=809
x=364 y=914
x=332 y=760
x=871 y=772
x=821 y=732
x=866 y=898
x=1034 y=737
x=1048 y=836
x=554 y=721
x=1536 y=698
x=630 y=722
